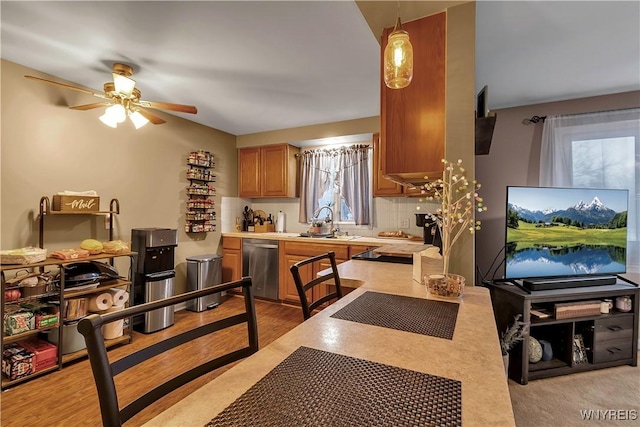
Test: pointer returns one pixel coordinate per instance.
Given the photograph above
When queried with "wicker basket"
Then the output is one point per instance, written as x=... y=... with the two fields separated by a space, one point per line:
x=28 y=255
x=570 y=310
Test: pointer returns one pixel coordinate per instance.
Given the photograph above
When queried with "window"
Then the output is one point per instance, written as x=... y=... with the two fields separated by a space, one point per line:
x=337 y=177
x=597 y=150
x=333 y=197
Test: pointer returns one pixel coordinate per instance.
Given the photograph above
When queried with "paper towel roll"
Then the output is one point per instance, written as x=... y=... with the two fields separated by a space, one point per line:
x=100 y=302
x=119 y=296
x=113 y=330
x=280 y=222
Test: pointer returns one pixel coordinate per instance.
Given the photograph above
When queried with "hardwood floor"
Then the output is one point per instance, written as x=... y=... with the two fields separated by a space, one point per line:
x=68 y=397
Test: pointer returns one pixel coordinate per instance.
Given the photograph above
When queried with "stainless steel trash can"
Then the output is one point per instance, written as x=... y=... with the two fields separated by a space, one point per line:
x=204 y=271
x=158 y=286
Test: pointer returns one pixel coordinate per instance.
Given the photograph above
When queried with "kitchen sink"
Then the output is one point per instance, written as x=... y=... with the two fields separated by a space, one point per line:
x=317 y=235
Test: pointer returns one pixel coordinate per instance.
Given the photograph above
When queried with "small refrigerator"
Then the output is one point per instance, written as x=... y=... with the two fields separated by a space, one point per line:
x=204 y=271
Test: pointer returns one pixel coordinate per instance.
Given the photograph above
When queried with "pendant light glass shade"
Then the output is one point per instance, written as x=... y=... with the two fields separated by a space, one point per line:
x=398 y=59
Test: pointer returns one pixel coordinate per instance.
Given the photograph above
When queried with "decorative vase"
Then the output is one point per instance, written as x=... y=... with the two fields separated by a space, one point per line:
x=448 y=285
x=316 y=230
x=505 y=360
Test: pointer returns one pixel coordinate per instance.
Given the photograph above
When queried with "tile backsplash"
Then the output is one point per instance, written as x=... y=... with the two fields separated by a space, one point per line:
x=389 y=214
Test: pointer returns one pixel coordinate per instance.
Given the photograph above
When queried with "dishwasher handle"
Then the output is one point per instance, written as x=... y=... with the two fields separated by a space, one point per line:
x=264 y=246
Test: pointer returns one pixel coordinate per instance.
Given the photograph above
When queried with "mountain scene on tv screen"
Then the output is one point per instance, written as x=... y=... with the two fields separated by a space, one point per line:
x=577 y=239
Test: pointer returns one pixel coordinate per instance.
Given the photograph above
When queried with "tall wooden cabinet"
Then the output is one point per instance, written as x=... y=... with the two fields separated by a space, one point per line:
x=385 y=187
x=267 y=171
x=412 y=127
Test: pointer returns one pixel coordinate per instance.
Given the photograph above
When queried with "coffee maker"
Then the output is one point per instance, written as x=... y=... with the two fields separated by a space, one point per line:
x=430 y=230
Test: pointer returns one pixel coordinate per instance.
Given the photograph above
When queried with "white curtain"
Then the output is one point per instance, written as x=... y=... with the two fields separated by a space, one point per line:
x=354 y=170
x=315 y=176
x=596 y=150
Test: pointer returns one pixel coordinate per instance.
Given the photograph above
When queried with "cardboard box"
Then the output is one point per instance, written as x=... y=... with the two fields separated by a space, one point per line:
x=45 y=354
x=19 y=322
x=17 y=362
x=75 y=203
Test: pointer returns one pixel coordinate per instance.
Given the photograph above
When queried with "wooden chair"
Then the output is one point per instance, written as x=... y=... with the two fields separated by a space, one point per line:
x=308 y=307
x=104 y=371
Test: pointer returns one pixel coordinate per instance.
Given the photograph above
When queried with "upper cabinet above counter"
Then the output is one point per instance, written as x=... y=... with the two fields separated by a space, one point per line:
x=413 y=119
x=267 y=171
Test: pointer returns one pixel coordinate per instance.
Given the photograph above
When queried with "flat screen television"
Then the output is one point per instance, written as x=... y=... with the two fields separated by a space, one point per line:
x=565 y=232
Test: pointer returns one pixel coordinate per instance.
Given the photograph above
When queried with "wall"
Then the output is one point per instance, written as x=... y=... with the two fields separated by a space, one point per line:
x=47 y=148
x=303 y=133
x=460 y=108
x=514 y=159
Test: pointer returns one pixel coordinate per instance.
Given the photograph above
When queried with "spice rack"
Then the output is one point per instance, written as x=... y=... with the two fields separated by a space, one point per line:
x=200 y=214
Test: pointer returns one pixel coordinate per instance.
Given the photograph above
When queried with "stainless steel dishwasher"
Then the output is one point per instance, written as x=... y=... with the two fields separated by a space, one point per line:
x=260 y=261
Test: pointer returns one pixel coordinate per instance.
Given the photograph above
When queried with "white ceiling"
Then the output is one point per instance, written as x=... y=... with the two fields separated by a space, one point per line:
x=258 y=66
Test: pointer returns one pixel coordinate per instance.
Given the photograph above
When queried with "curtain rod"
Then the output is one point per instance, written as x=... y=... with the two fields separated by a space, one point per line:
x=537 y=119
x=335 y=150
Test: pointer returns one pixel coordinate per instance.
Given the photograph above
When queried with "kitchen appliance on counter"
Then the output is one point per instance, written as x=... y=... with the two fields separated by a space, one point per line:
x=430 y=230
x=260 y=261
x=370 y=255
x=153 y=275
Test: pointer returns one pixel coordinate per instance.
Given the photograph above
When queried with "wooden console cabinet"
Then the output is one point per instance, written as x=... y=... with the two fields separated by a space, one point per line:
x=610 y=339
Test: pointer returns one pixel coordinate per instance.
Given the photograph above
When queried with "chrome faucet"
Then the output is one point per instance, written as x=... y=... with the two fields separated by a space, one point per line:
x=327 y=219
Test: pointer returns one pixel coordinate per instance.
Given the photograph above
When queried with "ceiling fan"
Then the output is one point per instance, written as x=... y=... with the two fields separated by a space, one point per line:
x=122 y=99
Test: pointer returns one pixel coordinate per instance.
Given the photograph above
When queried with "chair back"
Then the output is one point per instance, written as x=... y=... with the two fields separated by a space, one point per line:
x=104 y=371
x=303 y=286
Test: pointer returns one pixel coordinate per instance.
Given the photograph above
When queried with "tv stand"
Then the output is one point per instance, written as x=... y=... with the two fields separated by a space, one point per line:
x=547 y=283
x=610 y=339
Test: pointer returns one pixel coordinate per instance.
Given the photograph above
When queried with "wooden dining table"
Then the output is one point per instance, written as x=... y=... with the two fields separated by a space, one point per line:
x=387 y=353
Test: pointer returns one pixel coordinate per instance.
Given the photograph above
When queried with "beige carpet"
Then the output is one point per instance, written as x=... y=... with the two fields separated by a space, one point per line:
x=612 y=394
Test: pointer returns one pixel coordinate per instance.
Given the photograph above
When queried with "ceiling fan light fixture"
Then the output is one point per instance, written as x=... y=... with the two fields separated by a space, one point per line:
x=123 y=84
x=107 y=120
x=116 y=113
x=398 y=58
x=138 y=119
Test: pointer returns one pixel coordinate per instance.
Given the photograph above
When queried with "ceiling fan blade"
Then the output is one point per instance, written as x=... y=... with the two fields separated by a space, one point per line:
x=66 y=86
x=167 y=106
x=151 y=117
x=91 y=106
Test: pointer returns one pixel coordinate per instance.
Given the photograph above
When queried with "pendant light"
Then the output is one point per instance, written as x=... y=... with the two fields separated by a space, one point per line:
x=398 y=57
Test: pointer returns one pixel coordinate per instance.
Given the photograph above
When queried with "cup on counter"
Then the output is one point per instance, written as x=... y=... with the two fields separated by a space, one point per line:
x=604 y=307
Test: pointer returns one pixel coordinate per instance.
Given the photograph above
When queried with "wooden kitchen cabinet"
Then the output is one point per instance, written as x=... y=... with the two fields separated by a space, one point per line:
x=293 y=252
x=383 y=186
x=412 y=127
x=267 y=171
x=231 y=258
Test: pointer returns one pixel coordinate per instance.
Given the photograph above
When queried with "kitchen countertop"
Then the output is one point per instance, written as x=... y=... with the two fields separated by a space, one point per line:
x=472 y=356
x=342 y=240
